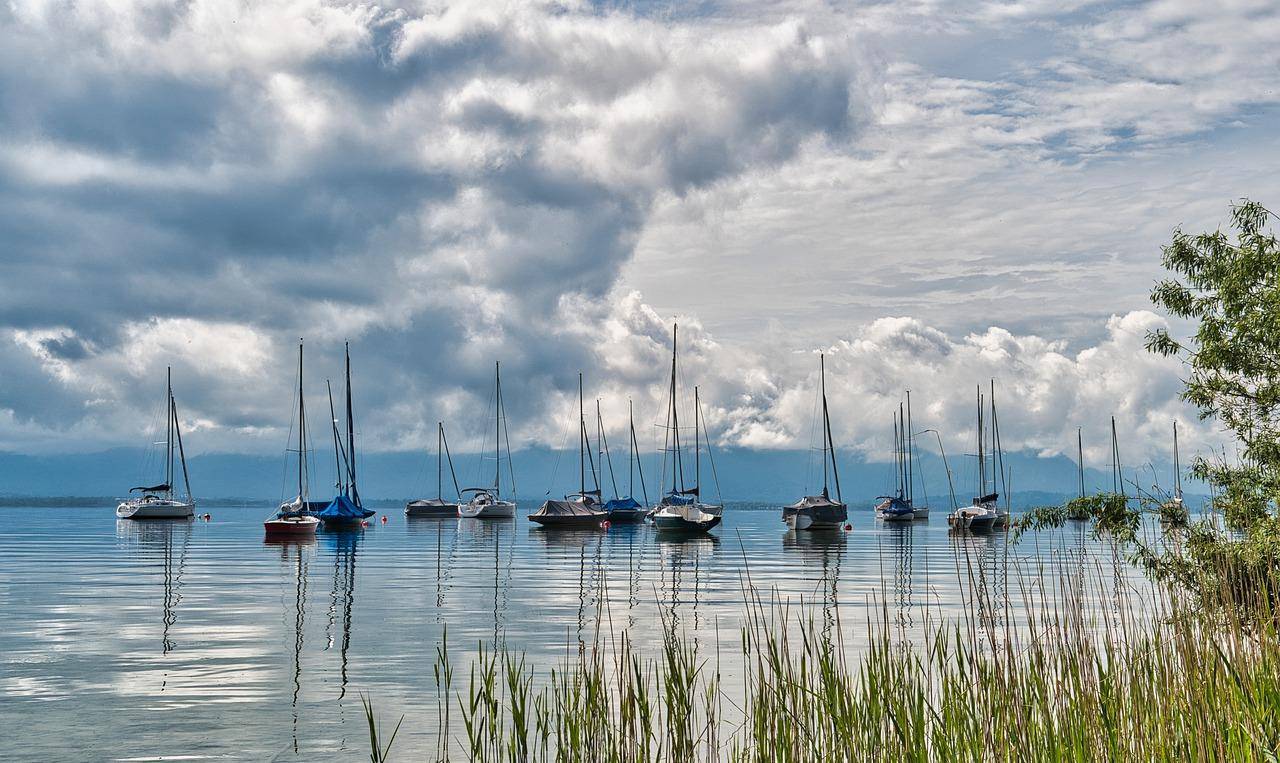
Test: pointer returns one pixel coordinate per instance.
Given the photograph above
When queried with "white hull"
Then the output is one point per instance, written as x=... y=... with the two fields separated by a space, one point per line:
x=973 y=518
x=895 y=516
x=800 y=521
x=494 y=510
x=161 y=509
x=920 y=513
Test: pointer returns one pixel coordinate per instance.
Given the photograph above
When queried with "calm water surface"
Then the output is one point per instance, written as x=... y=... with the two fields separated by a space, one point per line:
x=192 y=640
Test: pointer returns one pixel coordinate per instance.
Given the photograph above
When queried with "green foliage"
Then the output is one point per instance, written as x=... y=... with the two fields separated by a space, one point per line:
x=379 y=753
x=1229 y=287
x=1110 y=513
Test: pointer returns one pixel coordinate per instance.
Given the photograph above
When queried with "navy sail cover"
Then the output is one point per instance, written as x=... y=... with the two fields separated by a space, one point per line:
x=341 y=507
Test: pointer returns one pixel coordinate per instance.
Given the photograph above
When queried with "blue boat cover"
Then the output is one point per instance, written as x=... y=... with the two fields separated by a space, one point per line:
x=341 y=508
x=672 y=499
x=622 y=503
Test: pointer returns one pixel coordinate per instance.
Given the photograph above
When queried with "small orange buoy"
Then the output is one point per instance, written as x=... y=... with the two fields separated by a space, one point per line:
x=384 y=519
x=605 y=525
x=848 y=527
x=364 y=523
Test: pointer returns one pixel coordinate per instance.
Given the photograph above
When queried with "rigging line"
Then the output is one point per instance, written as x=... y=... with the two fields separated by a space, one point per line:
x=555 y=467
x=710 y=457
x=604 y=440
x=449 y=456
x=506 y=436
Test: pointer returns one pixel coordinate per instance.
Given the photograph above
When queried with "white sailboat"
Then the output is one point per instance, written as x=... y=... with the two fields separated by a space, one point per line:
x=487 y=502
x=296 y=518
x=682 y=509
x=161 y=501
x=982 y=513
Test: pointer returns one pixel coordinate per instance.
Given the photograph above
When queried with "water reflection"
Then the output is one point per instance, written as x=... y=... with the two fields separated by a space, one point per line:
x=342 y=596
x=826 y=550
x=295 y=559
x=683 y=559
x=434 y=527
x=164 y=542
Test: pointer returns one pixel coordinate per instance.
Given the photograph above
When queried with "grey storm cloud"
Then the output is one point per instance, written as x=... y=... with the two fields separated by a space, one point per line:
x=198 y=184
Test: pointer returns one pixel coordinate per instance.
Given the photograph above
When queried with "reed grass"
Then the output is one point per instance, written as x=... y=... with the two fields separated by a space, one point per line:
x=1162 y=678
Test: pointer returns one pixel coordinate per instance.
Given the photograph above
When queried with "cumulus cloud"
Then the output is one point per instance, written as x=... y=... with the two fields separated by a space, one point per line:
x=549 y=184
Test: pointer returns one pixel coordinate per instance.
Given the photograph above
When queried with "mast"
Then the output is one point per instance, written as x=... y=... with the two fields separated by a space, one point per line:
x=911 y=484
x=697 y=446
x=301 y=434
x=168 y=430
x=1177 y=467
x=997 y=451
x=635 y=450
x=352 y=492
x=604 y=452
x=831 y=443
x=677 y=464
x=822 y=385
x=1080 y=457
x=338 y=453
x=582 y=434
x=1117 y=481
x=182 y=456
x=497 y=428
x=982 y=462
x=440 y=461
x=631 y=451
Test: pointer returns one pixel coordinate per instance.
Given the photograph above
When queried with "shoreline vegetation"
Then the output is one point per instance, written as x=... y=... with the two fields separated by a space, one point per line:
x=1088 y=671
x=1187 y=669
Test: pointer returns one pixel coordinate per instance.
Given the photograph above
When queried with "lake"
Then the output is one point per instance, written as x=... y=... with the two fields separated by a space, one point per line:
x=193 y=640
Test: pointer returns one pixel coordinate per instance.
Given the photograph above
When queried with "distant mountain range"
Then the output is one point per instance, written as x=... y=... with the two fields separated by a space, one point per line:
x=767 y=476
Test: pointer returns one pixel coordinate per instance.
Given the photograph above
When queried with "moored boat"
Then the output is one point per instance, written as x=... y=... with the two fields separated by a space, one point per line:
x=345 y=511
x=161 y=501
x=581 y=509
x=681 y=510
x=487 y=502
x=437 y=507
x=819 y=512
x=296 y=518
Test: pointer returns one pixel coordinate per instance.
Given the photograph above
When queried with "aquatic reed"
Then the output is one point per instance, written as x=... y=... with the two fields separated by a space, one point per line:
x=1155 y=676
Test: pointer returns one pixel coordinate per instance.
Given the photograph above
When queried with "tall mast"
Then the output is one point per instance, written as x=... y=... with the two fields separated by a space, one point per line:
x=826 y=422
x=822 y=386
x=1117 y=481
x=982 y=463
x=997 y=450
x=440 y=460
x=697 y=445
x=677 y=464
x=182 y=455
x=604 y=453
x=302 y=457
x=582 y=435
x=353 y=491
x=338 y=454
x=1080 y=457
x=631 y=451
x=497 y=427
x=168 y=429
x=911 y=484
x=1177 y=467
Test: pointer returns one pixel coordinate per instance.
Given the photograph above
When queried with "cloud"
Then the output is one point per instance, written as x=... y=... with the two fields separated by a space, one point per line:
x=198 y=185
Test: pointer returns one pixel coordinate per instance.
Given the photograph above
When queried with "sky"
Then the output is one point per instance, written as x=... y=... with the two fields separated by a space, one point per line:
x=932 y=194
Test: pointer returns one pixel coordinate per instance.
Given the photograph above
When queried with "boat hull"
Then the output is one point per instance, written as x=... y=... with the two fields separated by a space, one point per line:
x=815 y=520
x=434 y=511
x=692 y=518
x=156 y=510
x=291 y=527
x=918 y=513
x=627 y=516
x=495 y=510
x=592 y=521
x=897 y=516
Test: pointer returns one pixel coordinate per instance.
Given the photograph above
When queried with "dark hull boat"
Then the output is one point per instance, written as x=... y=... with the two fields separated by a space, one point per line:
x=438 y=507
x=625 y=511
x=582 y=509
x=819 y=512
x=431 y=508
x=581 y=513
x=815 y=512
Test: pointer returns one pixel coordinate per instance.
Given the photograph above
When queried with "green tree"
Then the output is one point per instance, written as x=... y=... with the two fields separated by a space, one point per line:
x=1228 y=287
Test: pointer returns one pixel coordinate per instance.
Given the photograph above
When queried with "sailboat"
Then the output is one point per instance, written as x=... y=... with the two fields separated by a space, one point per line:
x=158 y=501
x=581 y=509
x=981 y=515
x=682 y=509
x=819 y=512
x=438 y=506
x=487 y=502
x=345 y=510
x=1174 y=511
x=1075 y=511
x=626 y=509
x=898 y=507
x=295 y=518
